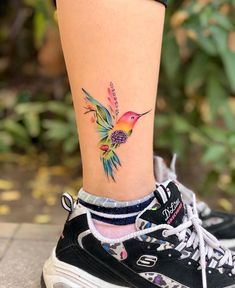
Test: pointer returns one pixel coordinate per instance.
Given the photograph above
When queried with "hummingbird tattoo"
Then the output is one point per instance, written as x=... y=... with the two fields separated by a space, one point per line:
x=113 y=130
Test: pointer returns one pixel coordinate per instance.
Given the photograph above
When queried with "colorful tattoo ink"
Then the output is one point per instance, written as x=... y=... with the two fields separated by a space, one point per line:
x=113 y=130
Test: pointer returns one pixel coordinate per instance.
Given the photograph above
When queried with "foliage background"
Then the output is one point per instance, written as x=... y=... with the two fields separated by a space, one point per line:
x=196 y=103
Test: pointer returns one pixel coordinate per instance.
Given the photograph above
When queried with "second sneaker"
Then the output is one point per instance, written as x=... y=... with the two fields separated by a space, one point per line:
x=220 y=224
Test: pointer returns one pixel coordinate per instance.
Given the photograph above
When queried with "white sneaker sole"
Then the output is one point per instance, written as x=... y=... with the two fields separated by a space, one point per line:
x=58 y=274
x=228 y=243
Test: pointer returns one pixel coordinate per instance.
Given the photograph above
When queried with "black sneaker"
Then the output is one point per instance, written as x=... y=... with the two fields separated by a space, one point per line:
x=220 y=224
x=169 y=249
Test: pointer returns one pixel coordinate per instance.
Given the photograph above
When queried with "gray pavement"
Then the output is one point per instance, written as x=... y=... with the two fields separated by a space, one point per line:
x=23 y=250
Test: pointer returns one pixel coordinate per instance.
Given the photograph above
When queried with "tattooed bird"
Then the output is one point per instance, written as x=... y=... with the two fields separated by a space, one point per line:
x=113 y=131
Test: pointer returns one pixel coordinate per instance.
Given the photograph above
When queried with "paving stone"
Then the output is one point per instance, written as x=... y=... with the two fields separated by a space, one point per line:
x=38 y=232
x=22 y=264
x=7 y=230
x=3 y=246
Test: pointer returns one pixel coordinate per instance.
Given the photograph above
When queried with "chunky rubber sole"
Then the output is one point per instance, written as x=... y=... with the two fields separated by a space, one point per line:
x=58 y=274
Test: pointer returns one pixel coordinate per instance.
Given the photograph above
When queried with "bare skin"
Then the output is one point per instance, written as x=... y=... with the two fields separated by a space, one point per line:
x=116 y=41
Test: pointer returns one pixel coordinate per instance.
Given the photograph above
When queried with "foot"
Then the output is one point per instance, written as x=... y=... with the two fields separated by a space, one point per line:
x=220 y=224
x=169 y=249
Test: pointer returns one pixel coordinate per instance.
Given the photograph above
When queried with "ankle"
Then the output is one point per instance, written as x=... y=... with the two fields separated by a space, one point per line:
x=125 y=190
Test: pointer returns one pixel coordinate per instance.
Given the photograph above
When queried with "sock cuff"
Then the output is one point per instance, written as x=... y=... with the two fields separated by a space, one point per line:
x=118 y=210
x=113 y=212
x=109 y=202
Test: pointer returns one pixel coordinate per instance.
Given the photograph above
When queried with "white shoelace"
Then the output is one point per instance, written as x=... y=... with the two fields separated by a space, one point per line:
x=198 y=238
x=201 y=239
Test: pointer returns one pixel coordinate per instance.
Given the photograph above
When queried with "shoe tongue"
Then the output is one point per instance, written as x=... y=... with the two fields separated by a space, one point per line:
x=161 y=171
x=166 y=208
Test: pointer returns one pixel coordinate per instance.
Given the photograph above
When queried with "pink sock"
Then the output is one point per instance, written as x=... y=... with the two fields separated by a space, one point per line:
x=113 y=231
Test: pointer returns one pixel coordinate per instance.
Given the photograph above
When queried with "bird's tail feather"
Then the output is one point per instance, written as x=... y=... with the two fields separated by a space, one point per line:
x=110 y=162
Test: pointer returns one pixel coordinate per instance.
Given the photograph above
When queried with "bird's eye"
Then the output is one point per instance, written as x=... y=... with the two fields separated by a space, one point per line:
x=132 y=117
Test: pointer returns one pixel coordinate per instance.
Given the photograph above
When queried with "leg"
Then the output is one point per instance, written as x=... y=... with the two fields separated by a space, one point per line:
x=118 y=41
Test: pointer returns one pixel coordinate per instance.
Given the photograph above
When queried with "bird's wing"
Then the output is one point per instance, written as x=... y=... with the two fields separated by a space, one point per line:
x=113 y=103
x=104 y=119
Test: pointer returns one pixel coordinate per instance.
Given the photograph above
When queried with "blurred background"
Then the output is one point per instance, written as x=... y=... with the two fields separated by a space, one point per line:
x=39 y=153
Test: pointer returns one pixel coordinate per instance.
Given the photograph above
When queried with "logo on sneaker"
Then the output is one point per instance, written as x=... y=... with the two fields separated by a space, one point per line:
x=172 y=211
x=147 y=260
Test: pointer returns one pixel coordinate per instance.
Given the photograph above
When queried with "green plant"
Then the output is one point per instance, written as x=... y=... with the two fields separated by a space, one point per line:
x=48 y=124
x=197 y=86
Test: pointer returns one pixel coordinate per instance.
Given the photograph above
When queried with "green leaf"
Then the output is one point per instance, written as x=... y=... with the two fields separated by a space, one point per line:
x=196 y=73
x=61 y=109
x=215 y=134
x=198 y=138
x=170 y=56
x=16 y=129
x=206 y=43
x=39 y=28
x=18 y=133
x=6 y=141
x=229 y=64
x=56 y=129
x=222 y=21
x=216 y=94
x=220 y=37
x=231 y=140
x=214 y=153
x=34 y=107
x=181 y=125
x=32 y=123
x=228 y=117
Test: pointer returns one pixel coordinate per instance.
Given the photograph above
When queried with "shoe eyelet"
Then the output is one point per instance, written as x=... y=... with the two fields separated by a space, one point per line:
x=230 y=275
x=164 y=234
x=169 y=255
x=209 y=271
x=189 y=263
x=148 y=247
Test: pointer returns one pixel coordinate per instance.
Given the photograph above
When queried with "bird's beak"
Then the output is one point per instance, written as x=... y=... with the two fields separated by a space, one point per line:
x=145 y=113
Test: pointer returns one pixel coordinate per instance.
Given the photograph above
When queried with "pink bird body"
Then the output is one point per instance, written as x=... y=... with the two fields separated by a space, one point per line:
x=126 y=123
